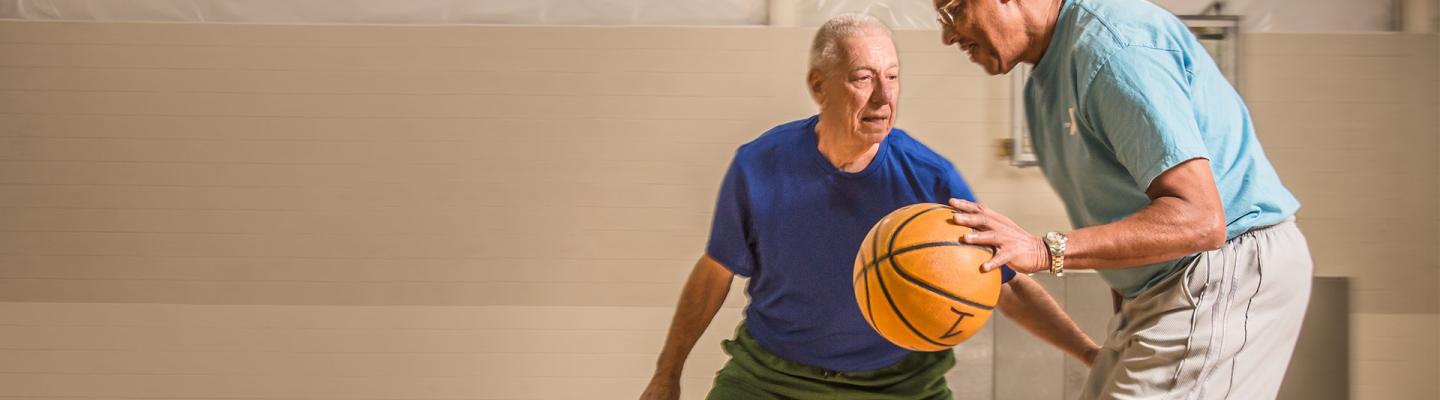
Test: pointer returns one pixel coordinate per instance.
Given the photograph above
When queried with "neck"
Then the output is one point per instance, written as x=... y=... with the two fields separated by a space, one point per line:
x=1040 y=21
x=842 y=149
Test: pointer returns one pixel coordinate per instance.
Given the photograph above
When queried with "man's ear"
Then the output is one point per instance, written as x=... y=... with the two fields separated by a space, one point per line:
x=815 y=82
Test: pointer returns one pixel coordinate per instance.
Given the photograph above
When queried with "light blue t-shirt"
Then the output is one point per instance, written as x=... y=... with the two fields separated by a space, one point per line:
x=1123 y=93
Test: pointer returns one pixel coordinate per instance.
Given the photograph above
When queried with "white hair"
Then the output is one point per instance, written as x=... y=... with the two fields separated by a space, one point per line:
x=825 y=50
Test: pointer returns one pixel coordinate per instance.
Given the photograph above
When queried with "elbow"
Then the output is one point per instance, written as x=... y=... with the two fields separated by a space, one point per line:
x=1214 y=240
x=1210 y=234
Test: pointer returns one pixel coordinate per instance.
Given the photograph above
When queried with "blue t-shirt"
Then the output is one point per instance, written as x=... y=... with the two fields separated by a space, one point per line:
x=1123 y=93
x=792 y=222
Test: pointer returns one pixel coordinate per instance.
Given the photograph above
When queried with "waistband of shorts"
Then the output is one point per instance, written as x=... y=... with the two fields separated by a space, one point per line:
x=1287 y=222
x=909 y=362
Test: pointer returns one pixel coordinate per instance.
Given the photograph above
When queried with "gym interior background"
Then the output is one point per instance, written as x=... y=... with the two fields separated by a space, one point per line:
x=500 y=200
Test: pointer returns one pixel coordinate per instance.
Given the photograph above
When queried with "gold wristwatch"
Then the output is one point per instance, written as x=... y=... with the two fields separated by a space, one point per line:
x=1055 y=242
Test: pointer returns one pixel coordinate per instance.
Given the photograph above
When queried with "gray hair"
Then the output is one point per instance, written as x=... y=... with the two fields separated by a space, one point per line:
x=825 y=49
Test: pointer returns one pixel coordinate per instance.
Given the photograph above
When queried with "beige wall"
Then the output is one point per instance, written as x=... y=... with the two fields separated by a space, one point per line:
x=1350 y=127
x=221 y=211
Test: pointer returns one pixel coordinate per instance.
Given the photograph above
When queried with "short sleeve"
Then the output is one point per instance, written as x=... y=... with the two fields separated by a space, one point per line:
x=731 y=238
x=956 y=188
x=1139 y=102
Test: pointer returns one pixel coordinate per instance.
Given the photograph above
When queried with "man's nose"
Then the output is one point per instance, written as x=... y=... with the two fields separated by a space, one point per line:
x=885 y=92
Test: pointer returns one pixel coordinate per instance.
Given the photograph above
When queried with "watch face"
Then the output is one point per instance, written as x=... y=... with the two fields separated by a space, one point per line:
x=1052 y=237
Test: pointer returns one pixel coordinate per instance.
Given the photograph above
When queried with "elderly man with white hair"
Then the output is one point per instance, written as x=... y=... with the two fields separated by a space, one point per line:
x=793 y=208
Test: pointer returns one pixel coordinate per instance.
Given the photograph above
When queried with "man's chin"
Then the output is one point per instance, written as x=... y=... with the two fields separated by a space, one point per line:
x=874 y=136
x=994 y=67
x=1007 y=68
x=997 y=69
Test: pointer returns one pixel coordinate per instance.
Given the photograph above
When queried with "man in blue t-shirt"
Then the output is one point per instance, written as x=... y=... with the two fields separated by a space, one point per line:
x=793 y=208
x=1175 y=204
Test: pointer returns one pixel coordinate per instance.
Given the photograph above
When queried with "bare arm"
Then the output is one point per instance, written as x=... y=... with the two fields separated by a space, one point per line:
x=1184 y=217
x=704 y=293
x=1028 y=304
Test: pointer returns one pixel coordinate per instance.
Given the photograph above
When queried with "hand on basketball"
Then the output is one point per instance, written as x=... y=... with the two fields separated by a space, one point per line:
x=1023 y=252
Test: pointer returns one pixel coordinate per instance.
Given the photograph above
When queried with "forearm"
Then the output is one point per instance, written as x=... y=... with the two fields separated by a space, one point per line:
x=1185 y=216
x=1159 y=232
x=700 y=300
x=1028 y=304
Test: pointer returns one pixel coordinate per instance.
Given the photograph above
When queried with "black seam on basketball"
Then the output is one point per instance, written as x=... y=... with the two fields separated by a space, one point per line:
x=888 y=251
x=927 y=285
x=896 y=234
x=921 y=246
x=874 y=252
x=865 y=280
x=891 y=300
x=931 y=287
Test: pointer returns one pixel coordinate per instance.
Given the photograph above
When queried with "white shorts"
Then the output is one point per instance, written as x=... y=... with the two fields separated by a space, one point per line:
x=1223 y=327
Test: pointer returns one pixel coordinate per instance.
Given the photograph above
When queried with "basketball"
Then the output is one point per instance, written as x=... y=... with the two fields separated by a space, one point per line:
x=918 y=285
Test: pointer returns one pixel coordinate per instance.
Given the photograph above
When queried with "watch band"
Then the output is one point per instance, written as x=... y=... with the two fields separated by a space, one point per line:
x=1055 y=243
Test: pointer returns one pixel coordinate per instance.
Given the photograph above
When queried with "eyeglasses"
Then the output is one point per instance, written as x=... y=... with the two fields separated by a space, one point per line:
x=946 y=14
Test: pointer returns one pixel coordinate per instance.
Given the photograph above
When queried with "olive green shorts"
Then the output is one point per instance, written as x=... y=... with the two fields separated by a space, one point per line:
x=754 y=373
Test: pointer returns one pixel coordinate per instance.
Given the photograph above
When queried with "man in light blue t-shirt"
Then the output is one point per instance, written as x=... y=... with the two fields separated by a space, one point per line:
x=1173 y=201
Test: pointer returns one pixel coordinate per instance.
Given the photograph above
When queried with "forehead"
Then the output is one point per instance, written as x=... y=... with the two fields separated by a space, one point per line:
x=869 y=50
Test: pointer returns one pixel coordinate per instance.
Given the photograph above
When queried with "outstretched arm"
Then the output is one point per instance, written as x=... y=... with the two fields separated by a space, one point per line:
x=1028 y=304
x=704 y=293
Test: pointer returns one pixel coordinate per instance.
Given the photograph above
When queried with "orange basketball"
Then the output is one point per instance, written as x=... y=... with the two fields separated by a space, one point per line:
x=918 y=285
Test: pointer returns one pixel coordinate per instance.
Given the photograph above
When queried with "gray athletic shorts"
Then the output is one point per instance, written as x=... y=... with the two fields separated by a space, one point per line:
x=1222 y=327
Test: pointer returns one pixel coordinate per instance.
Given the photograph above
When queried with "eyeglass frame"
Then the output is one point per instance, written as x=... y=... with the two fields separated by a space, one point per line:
x=944 y=13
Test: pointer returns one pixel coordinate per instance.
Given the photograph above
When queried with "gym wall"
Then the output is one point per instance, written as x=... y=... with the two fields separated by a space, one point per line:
x=277 y=212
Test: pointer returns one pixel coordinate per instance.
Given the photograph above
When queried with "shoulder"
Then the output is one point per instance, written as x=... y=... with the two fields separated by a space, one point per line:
x=1124 y=23
x=917 y=154
x=780 y=138
x=1111 y=30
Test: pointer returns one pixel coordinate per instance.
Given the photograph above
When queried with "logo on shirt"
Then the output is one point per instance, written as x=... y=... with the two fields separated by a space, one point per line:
x=1074 y=129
